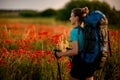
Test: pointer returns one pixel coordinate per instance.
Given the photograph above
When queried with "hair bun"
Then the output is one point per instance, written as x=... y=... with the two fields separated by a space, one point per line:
x=86 y=10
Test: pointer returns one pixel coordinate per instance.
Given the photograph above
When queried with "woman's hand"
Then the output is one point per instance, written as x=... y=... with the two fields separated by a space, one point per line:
x=59 y=54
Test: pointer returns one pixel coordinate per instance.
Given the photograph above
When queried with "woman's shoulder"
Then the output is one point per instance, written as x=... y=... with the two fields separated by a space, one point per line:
x=74 y=30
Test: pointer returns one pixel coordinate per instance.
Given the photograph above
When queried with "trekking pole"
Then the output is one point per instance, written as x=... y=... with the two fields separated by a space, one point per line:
x=109 y=45
x=56 y=50
x=67 y=48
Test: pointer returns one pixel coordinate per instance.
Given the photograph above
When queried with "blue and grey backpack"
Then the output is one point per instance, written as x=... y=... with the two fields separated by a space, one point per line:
x=96 y=39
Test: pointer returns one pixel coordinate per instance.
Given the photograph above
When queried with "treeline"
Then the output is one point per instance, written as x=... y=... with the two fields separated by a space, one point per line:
x=63 y=14
x=112 y=14
x=28 y=13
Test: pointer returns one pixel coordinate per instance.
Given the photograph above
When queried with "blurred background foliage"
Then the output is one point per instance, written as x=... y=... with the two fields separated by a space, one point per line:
x=63 y=14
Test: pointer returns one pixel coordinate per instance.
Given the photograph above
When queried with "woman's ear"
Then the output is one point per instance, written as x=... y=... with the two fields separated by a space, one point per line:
x=77 y=18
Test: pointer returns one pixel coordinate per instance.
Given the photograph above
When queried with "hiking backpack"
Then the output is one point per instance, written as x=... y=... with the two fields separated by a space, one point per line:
x=96 y=39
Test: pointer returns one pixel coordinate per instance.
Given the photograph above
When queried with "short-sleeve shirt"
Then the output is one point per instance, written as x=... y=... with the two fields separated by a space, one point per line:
x=74 y=36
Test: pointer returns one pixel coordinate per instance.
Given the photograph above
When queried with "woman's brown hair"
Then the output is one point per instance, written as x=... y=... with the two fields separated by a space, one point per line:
x=80 y=12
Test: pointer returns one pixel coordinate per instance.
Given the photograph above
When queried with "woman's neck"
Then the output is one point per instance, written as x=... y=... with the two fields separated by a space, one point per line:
x=81 y=24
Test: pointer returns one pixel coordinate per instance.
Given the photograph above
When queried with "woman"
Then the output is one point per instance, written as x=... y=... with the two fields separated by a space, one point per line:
x=80 y=70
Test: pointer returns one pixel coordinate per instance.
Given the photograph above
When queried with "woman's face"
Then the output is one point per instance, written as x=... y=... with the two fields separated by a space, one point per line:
x=73 y=19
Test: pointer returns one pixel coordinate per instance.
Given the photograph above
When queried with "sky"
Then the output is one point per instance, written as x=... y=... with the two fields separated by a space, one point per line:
x=41 y=5
x=113 y=3
x=32 y=4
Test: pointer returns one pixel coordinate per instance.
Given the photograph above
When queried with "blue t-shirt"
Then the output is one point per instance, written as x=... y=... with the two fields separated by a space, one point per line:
x=74 y=36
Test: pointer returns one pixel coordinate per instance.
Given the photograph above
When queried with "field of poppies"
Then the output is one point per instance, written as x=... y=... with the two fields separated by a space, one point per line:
x=27 y=52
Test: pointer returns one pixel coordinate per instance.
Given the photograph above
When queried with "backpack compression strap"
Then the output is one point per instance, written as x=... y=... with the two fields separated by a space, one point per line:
x=109 y=45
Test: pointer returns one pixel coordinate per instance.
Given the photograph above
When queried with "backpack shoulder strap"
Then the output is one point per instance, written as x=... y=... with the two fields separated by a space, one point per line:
x=79 y=28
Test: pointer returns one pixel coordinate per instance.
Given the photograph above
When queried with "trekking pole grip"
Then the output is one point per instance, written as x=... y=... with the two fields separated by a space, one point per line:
x=55 y=51
x=67 y=48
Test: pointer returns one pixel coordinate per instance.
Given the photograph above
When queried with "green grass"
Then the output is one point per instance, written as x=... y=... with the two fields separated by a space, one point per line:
x=29 y=20
x=40 y=20
x=114 y=27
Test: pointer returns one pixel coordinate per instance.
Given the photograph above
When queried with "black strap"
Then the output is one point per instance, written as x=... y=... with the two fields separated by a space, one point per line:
x=79 y=28
x=109 y=45
x=84 y=56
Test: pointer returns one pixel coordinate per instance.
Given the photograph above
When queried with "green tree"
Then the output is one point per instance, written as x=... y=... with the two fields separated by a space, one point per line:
x=112 y=15
x=47 y=13
x=28 y=13
x=94 y=5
